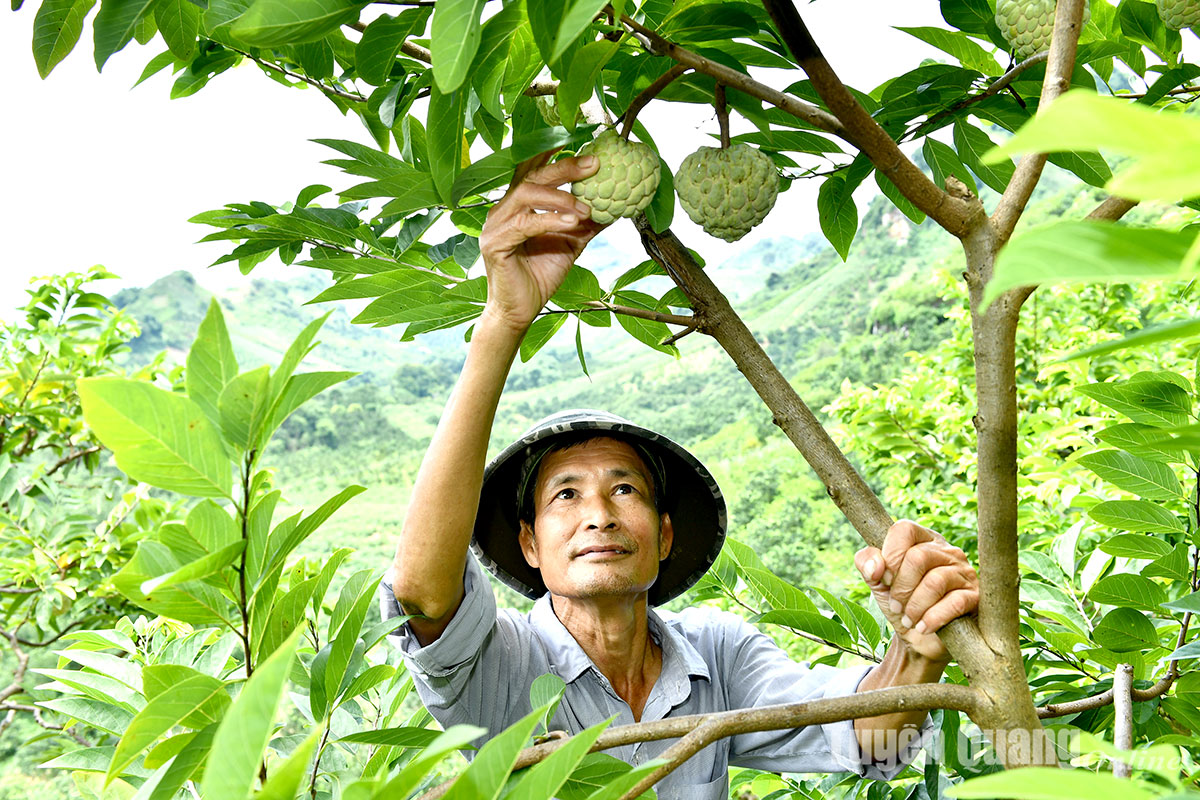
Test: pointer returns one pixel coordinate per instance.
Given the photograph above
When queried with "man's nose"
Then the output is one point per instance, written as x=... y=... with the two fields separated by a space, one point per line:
x=599 y=513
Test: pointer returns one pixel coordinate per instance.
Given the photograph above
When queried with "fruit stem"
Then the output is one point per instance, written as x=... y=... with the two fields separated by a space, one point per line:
x=722 y=115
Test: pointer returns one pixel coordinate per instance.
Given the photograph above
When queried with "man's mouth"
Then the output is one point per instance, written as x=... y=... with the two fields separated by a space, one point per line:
x=601 y=550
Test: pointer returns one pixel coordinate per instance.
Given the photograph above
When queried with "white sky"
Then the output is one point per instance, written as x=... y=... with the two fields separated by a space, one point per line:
x=97 y=173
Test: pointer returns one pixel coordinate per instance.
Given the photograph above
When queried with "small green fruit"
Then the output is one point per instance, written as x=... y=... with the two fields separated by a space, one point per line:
x=729 y=191
x=1028 y=24
x=625 y=182
x=1179 y=14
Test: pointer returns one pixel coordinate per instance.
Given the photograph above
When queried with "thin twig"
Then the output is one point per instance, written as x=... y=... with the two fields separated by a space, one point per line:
x=722 y=115
x=70 y=458
x=997 y=86
x=329 y=90
x=648 y=94
x=656 y=44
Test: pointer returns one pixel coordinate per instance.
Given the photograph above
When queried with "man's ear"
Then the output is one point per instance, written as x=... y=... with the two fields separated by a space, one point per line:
x=666 y=537
x=528 y=546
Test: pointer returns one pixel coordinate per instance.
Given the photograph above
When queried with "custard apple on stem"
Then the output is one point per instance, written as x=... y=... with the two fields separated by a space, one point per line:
x=626 y=181
x=727 y=191
x=1027 y=25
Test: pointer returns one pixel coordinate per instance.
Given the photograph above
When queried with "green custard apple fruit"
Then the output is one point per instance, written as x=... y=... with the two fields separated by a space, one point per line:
x=547 y=106
x=625 y=182
x=729 y=191
x=1028 y=24
x=1179 y=14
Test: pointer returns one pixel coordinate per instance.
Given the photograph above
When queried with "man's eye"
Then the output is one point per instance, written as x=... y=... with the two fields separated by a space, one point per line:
x=565 y=494
x=624 y=488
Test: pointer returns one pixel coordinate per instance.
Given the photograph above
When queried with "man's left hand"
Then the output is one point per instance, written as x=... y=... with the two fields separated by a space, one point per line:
x=920 y=583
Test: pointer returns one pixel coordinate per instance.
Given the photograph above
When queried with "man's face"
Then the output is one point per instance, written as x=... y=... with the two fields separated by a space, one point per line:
x=596 y=531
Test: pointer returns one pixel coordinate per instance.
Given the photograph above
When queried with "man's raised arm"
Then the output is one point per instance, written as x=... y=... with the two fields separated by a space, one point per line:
x=529 y=242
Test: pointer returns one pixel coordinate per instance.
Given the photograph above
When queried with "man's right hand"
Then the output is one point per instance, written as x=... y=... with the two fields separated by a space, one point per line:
x=532 y=237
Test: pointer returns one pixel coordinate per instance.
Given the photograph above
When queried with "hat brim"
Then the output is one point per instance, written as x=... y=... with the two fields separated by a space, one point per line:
x=692 y=499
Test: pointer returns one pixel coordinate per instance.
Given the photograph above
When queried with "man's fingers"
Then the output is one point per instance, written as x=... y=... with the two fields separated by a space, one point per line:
x=546 y=198
x=936 y=584
x=529 y=165
x=567 y=169
x=919 y=561
x=903 y=535
x=869 y=561
x=953 y=605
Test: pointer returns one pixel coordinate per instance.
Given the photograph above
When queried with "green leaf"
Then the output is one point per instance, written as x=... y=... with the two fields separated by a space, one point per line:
x=179 y=23
x=1189 y=602
x=284 y=541
x=969 y=53
x=545 y=779
x=243 y=407
x=201 y=568
x=546 y=692
x=972 y=143
x=810 y=622
x=195 y=603
x=158 y=437
x=1173 y=565
x=1083 y=251
x=891 y=192
x=211 y=363
x=580 y=82
x=345 y=625
x=945 y=162
x=445 y=131
x=1173 y=331
x=539 y=333
x=454 y=738
x=492 y=765
x=270 y=23
x=1124 y=630
x=649 y=332
x=1135 y=545
x=394 y=737
x=1149 y=479
x=775 y=591
x=376 y=51
x=1130 y=591
x=661 y=210
x=284 y=781
x=1163 y=146
x=184 y=766
x=1142 y=440
x=56 y=29
x=95 y=714
x=298 y=390
x=242 y=737
x=1047 y=783
x=838 y=214
x=1136 y=515
x=115 y=25
x=196 y=702
x=454 y=41
x=1159 y=403
x=556 y=24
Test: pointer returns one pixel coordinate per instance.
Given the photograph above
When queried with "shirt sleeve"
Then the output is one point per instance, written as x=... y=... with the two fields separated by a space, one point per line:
x=468 y=674
x=765 y=675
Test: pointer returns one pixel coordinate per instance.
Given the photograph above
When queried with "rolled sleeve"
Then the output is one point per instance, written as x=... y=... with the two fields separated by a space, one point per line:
x=464 y=636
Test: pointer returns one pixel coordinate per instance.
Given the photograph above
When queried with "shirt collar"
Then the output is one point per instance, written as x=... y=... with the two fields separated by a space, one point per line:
x=569 y=661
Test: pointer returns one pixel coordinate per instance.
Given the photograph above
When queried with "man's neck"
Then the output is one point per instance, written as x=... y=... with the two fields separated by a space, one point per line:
x=615 y=634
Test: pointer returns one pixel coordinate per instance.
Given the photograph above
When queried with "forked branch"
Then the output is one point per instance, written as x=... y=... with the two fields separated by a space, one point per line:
x=958 y=215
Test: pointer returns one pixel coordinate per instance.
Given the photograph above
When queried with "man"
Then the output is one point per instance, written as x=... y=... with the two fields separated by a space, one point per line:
x=587 y=508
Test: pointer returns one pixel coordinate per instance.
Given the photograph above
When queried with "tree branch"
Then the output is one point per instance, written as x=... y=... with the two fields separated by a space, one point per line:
x=957 y=214
x=1068 y=22
x=1112 y=209
x=329 y=90
x=708 y=728
x=997 y=86
x=648 y=94
x=818 y=118
x=644 y=313
x=70 y=458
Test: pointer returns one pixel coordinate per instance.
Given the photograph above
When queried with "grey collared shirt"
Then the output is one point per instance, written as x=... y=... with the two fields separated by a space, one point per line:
x=479 y=672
